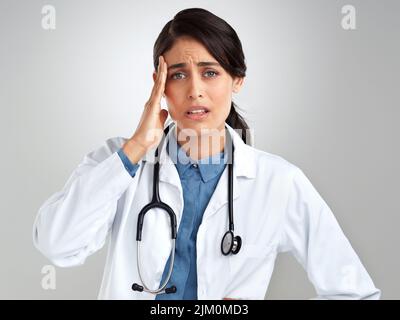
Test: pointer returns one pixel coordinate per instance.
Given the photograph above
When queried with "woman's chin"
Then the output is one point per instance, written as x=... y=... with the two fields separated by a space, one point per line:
x=193 y=125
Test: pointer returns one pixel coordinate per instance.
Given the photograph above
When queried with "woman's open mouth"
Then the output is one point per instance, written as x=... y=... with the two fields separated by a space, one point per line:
x=197 y=114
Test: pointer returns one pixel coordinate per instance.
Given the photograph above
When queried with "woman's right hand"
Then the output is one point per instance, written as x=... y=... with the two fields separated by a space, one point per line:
x=149 y=131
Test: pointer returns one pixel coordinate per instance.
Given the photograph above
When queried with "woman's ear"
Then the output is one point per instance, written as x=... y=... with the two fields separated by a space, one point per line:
x=237 y=84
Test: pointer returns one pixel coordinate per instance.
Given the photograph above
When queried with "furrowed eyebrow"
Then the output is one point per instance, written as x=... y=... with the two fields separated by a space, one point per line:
x=200 y=64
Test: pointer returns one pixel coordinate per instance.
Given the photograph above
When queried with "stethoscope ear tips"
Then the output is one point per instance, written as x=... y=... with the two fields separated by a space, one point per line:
x=170 y=289
x=230 y=244
x=136 y=287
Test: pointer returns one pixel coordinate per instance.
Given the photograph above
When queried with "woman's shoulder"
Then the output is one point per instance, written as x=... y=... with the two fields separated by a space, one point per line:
x=115 y=143
x=105 y=149
x=279 y=168
x=272 y=162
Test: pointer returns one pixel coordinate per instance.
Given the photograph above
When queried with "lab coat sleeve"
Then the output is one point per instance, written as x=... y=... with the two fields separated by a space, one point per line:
x=129 y=166
x=74 y=222
x=312 y=234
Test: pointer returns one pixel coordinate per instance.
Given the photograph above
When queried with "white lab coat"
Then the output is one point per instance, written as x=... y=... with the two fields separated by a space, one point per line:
x=276 y=209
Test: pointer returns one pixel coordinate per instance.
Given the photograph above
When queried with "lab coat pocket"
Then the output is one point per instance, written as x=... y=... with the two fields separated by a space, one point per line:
x=249 y=258
x=247 y=269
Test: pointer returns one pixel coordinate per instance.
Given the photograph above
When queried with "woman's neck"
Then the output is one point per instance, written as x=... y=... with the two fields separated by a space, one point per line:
x=199 y=146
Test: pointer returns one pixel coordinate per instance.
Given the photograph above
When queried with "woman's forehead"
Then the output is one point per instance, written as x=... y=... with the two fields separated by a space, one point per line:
x=189 y=51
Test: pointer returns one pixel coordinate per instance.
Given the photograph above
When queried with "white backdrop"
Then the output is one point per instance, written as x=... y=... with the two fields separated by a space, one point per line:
x=322 y=97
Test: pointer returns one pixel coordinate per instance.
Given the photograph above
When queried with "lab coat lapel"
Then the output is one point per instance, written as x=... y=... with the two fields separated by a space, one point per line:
x=170 y=187
x=244 y=166
x=220 y=195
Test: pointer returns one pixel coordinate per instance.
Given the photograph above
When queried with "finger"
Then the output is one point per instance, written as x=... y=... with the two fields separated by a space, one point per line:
x=165 y=65
x=159 y=83
x=162 y=79
x=153 y=91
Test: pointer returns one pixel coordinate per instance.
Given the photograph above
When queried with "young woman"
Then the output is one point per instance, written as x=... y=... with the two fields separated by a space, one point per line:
x=223 y=209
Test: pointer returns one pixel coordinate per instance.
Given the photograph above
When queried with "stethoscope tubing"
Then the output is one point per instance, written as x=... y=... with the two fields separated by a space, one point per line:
x=171 y=265
x=234 y=243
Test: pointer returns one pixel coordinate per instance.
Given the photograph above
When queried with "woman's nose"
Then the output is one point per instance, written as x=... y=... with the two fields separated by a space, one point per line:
x=195 y=88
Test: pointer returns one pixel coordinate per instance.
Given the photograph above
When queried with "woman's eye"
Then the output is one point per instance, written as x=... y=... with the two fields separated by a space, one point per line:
x=175 y=74
x=178 y=75
x=214 y=72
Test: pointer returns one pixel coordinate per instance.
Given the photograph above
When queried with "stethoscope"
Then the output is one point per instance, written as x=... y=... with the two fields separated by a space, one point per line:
x=230 y=244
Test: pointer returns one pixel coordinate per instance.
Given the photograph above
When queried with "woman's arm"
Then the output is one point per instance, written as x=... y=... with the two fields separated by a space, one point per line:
x=312 y=234
x=74 y=222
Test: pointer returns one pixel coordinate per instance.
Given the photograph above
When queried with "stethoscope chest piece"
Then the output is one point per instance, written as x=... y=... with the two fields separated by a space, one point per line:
x=230 y=243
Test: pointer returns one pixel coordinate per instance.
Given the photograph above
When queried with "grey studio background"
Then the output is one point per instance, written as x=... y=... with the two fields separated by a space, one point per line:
x=324 y=98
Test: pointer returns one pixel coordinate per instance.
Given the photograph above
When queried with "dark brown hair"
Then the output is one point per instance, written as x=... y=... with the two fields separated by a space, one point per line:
x=218 y=37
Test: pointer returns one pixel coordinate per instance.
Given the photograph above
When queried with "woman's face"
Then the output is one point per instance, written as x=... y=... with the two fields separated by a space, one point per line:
x=195 y=78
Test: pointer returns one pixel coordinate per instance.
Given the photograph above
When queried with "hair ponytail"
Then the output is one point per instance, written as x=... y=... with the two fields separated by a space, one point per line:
x=237 y=122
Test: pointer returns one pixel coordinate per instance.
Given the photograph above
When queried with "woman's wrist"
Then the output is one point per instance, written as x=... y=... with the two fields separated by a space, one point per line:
x=134 y=150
